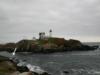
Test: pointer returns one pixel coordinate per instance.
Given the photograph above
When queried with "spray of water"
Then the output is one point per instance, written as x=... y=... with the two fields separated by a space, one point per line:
x=14 y=52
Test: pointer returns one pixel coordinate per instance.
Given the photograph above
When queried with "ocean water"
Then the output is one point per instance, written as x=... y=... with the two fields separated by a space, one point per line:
x=75 y=62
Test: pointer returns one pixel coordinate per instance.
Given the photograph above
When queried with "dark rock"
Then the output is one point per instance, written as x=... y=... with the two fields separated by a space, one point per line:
x=65 y=72
x=22 y=69
x=44 y=73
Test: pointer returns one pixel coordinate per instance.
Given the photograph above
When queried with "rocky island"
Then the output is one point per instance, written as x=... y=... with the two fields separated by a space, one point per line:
x=47 y=45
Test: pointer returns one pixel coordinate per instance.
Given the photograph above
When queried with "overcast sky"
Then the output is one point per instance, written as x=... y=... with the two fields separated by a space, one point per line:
x=78 y=19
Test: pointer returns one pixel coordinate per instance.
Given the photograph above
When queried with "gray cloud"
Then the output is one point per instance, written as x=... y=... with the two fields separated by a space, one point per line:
x=75 y=18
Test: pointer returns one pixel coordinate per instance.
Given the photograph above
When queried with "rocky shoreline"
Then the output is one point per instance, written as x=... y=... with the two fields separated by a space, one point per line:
x=13 y=66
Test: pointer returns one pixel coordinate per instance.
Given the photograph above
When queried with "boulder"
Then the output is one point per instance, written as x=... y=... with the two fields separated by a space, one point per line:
x=7 y=67
x=22 y=69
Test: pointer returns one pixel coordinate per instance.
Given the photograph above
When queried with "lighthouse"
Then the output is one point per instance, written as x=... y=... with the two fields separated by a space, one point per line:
x=50 y=33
